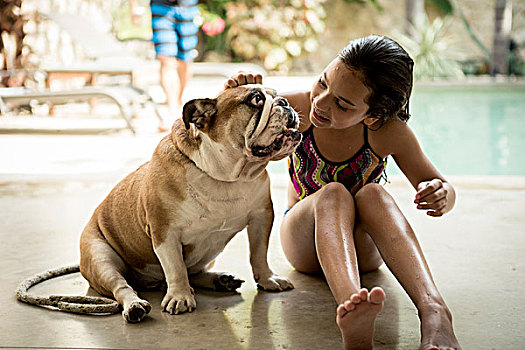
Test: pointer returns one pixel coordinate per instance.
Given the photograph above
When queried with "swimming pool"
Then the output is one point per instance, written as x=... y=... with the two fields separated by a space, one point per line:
x=466 y=130
x=470 y=130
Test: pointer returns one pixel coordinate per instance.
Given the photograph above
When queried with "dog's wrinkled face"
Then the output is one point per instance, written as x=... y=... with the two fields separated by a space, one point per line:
x=249 y=118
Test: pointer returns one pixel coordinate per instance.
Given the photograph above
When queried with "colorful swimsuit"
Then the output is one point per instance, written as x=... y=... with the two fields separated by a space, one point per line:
x=309 y=170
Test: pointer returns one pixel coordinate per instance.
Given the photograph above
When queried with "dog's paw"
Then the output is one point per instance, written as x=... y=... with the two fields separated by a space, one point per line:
x=275 y=283
x=227 y=283
x=136 y=311
x=176 y=301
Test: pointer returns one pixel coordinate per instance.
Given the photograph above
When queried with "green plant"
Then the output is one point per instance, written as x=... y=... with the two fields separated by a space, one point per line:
x=374 y=3
x=274 y=32
x=210 y=11
x=128 y=26
x=444 y=6
x=431 y=49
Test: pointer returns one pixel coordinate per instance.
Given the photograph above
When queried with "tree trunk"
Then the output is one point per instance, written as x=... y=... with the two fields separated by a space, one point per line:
x=501 y=44
x=415 y=14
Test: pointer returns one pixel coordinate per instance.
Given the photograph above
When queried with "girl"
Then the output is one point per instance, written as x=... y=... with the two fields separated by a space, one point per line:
x=340 y=221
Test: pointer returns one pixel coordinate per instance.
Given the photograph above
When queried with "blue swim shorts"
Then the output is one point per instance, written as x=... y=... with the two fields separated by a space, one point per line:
x=174 y=30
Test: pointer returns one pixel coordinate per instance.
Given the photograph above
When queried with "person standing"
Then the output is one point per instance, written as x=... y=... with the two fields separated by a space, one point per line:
x=175 y=35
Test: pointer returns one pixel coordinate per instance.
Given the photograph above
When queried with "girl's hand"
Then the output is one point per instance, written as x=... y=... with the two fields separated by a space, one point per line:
x=432 y=196
x=242 y=78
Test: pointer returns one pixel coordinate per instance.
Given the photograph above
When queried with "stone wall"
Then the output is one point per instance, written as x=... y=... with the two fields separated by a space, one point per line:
x=346 y=21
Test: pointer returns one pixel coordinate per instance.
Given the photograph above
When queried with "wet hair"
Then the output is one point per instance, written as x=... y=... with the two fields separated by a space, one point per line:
x=387 y=70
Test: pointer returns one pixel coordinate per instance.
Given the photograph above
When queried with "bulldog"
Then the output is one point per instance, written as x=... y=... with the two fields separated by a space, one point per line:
x=165 y=223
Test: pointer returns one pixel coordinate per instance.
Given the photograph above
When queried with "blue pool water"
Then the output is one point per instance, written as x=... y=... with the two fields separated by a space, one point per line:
x=471 y=131
x=467 y=130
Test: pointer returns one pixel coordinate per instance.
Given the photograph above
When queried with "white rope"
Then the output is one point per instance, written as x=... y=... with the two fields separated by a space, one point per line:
x=74 y=304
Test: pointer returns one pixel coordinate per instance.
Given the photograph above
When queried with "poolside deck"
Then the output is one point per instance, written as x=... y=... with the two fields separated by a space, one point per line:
x=50 y=184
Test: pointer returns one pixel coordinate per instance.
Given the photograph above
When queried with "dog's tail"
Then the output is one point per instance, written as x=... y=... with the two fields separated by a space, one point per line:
x=74 y=304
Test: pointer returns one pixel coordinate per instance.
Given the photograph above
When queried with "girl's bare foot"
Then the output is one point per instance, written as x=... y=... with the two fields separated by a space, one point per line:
x=356 y=317
x=436 y=329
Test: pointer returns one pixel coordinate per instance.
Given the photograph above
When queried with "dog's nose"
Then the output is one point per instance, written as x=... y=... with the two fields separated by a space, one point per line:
x=281 y=101
x=293 y=119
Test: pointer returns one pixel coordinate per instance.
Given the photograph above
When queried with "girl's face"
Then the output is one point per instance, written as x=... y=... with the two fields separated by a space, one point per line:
x=338 y=98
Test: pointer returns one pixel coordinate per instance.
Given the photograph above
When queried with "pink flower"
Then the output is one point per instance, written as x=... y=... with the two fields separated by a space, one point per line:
x=214 y=27
x=354 y=166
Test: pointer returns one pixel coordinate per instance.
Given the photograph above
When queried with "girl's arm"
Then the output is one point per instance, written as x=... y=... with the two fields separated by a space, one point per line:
x=434 y=193
x=292 y=195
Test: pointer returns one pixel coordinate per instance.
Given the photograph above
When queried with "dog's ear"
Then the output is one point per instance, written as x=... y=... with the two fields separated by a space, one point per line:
x=199 y=112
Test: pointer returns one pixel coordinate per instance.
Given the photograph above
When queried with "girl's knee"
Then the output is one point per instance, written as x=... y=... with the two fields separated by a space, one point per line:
x=334 y=192
x=334 y=198
x=373 y=192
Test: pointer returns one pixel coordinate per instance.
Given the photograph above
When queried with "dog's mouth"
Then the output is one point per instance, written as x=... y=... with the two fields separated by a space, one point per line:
x=288 y=134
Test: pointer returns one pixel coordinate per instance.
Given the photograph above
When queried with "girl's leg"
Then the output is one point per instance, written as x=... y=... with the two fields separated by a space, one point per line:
x=380 y=217
x=317 y=235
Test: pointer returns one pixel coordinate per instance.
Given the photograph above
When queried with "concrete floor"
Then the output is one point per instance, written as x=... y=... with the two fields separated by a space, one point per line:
x=50 y=184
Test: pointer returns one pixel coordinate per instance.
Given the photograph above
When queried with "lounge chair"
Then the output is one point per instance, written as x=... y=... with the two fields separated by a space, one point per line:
x=127 y=99
x=105 y=56
x=105 y=53
x=104 y=49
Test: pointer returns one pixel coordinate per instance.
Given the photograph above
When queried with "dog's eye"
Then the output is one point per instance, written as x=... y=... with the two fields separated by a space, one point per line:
x=257 y=100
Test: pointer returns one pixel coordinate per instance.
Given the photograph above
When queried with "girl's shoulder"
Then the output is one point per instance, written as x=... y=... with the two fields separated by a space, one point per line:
x=390 y=137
